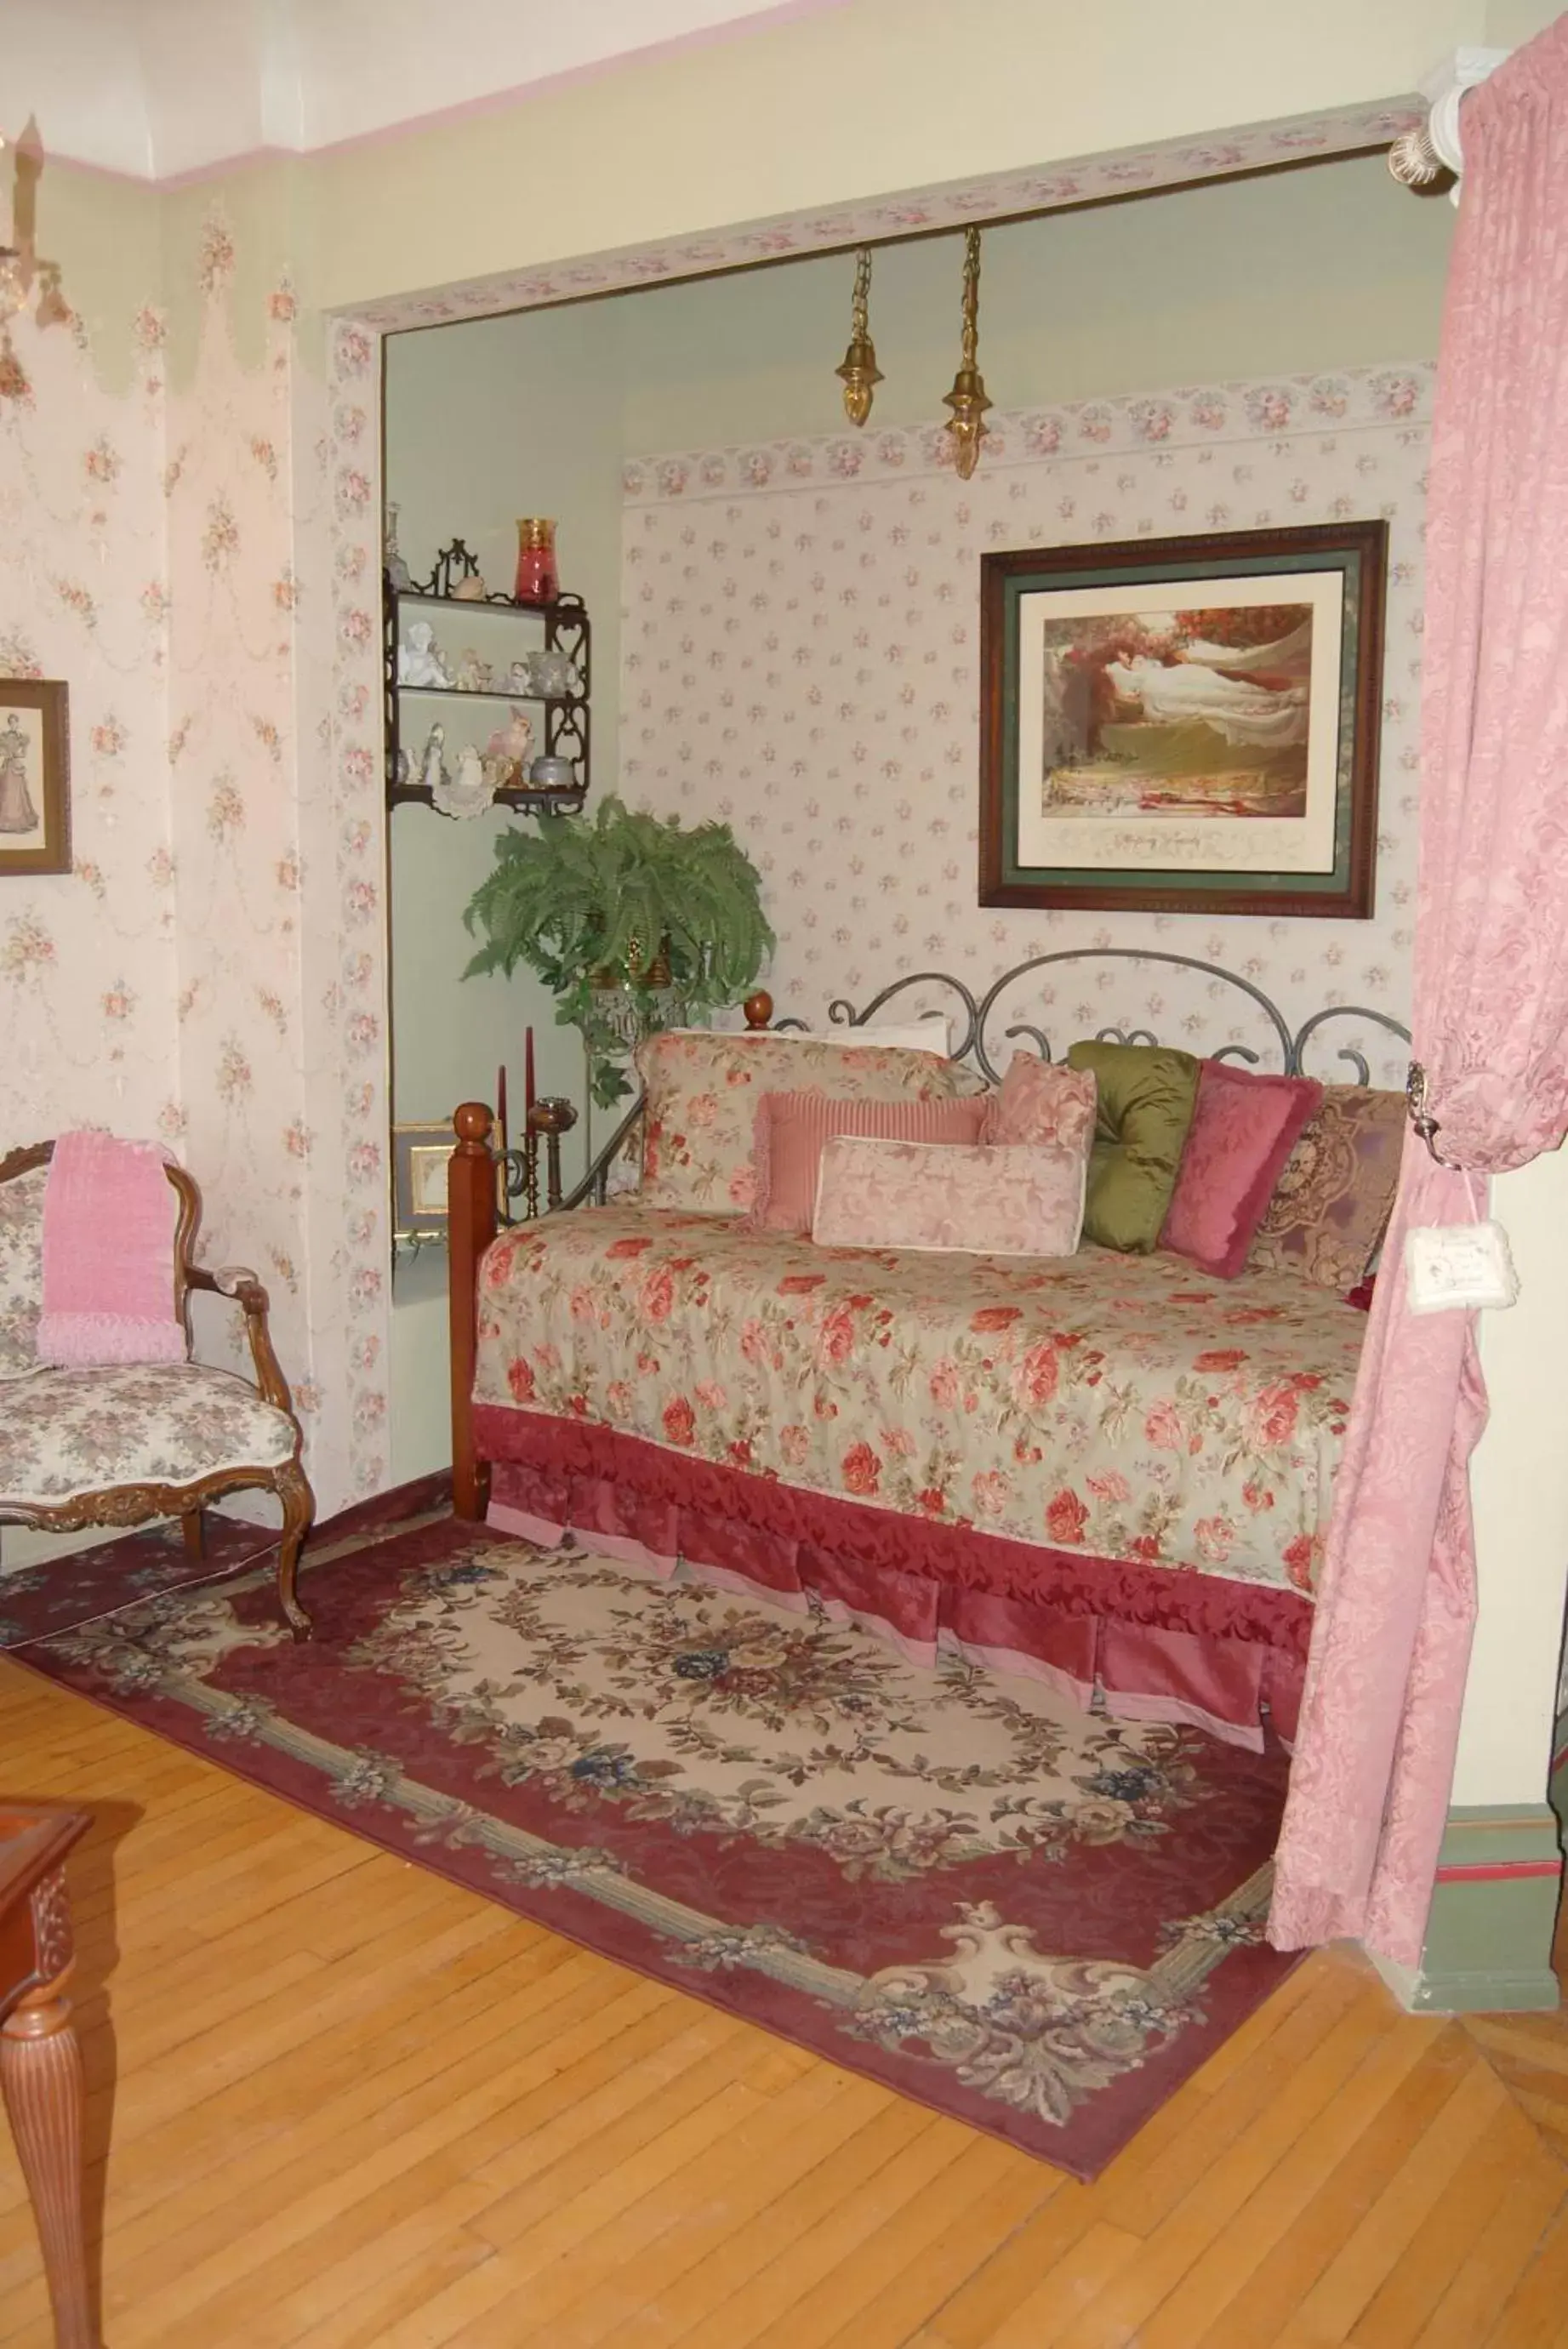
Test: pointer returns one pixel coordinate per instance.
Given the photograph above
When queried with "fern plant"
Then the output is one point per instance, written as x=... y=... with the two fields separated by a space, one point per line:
x=593 y=905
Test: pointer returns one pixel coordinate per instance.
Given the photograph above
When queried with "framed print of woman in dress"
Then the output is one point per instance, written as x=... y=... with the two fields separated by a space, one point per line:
x=35 y=799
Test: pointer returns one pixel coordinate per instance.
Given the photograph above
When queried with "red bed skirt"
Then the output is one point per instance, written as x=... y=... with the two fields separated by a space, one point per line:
x=1162 y=1643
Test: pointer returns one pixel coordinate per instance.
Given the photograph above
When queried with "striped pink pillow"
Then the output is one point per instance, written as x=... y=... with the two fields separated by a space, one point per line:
x=793 y=1130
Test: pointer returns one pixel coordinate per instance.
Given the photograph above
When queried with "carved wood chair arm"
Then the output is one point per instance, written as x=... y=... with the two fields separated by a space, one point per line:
x=237 y=1282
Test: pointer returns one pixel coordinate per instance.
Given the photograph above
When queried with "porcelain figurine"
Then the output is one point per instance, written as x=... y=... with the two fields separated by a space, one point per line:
x=419 y=660
x=553 y=674
x=396 y=569
x=510 y=744
x=432 y=766
x=471 y=674
x=470 y=791
x=471 y=590
x=520 y=678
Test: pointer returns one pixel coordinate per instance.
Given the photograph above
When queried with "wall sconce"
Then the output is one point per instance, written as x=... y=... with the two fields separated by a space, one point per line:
x=20 y=268
x=967 y=399
x=859 y=373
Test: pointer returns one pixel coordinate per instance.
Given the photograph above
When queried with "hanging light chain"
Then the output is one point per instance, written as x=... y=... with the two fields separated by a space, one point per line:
x=859 y=373
x=967 y=399
x=969 y=345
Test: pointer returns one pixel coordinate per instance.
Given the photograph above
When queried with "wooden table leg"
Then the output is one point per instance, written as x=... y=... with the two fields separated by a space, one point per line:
x=41 y=2078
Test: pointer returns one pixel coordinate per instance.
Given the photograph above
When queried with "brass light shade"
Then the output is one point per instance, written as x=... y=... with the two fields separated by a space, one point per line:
x=967 y=399
x=859 y=373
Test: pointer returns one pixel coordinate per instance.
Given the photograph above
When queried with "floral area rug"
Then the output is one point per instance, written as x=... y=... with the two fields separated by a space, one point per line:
x=1037 y=1920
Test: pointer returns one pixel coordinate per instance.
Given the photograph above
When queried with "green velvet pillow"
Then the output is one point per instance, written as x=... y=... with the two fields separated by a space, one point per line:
x=1144 y=1107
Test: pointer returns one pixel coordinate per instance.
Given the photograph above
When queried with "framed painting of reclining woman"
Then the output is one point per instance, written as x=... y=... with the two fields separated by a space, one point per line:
x=35 y=799
x=1184 y=725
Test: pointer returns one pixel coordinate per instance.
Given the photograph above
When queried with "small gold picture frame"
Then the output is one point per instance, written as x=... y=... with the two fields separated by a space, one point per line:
x=419 y=1155
x=34 y=777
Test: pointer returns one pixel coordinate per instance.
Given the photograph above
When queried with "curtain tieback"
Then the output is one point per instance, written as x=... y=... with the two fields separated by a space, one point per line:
x=1421 y=1117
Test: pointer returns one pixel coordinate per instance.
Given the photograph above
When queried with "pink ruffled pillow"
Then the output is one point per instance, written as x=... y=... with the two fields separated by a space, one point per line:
x=1041 y=1101
x=793 y=1130
x=1244 y=1129
x=1022 y=1199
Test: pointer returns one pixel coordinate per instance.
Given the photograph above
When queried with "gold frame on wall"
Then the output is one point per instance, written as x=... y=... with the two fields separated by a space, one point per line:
x=419 y=1155
x=45 y=785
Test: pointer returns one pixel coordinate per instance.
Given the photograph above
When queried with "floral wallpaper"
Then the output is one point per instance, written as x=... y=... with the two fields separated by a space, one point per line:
x=88 y=965
x=800 y=643
x=198 y=560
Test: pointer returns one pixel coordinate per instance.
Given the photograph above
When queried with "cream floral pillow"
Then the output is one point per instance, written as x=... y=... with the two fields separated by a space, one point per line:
x=995 y=1199
x=702 y=1093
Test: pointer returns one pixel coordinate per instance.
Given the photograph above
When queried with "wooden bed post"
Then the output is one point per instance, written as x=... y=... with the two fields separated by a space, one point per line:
x=470 y=1227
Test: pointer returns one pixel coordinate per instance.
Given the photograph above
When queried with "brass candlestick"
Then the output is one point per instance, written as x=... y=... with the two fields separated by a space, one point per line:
x=551 y=1116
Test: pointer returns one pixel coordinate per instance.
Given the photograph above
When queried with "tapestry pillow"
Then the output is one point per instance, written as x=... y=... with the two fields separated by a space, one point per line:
x=702 y=1089
x=1332 y=1203
x=794 y=1129
x=1041 y=1101
x=1244 y=1129
x=1143 y=1107
x=1005 y=1199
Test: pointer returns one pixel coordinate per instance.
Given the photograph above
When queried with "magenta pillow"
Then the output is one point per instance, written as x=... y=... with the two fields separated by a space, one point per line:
x=1244 y=1129
x=793 y=1130
x=1041 y=1101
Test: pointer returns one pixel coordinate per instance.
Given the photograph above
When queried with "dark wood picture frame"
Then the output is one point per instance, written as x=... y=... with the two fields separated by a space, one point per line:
x=48 y=787
x=1219 y=563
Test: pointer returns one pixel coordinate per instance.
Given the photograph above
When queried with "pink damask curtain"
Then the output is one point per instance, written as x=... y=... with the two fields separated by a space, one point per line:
x=1369 y=1788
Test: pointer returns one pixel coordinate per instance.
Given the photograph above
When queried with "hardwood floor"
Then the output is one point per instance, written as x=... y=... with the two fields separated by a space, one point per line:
x=354 y=2107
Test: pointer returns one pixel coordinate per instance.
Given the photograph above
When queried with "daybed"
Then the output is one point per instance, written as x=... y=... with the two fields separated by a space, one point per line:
x=1112 y=1470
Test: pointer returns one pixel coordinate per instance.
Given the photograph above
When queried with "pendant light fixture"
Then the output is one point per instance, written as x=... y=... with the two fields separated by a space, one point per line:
x=967 y=399
x=859 y=373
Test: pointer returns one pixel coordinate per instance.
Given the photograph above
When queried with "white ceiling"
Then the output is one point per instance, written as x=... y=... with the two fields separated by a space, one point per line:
x=162 y=87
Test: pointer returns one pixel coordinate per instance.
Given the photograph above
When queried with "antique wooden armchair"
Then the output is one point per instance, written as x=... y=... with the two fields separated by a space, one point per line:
x=124 y=1442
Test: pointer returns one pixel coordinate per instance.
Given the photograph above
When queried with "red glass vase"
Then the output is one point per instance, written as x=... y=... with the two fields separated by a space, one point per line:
x=536 y=575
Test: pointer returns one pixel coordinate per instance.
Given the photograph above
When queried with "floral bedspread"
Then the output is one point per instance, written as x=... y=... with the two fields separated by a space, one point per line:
x=1127 y=1406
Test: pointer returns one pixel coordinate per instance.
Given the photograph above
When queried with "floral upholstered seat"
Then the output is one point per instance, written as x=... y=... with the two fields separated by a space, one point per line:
x=119 y=1443
x=21 y=1271
x=66 y=1433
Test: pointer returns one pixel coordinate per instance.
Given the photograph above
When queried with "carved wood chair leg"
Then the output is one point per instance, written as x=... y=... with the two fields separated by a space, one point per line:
x=41 y=2077
x=195 y=1547
x=299 y=1508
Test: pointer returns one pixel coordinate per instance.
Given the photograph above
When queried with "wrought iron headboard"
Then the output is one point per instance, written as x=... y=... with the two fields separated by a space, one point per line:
x=976 y=1040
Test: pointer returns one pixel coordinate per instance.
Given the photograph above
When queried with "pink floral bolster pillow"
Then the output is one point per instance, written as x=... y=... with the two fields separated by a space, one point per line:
x=793 y=1129
x=1042 y=1101
x=1243 y=1130
x=998 y=1199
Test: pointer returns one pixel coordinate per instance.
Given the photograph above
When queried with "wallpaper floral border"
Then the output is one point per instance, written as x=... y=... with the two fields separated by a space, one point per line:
x=800 y=651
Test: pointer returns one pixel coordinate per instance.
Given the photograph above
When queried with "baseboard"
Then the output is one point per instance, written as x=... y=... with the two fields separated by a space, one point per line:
x=1488 y=1948
x=410 y=1500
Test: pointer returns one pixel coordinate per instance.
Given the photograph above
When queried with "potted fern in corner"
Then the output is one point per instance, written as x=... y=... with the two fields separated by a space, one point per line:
x=633 y=921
